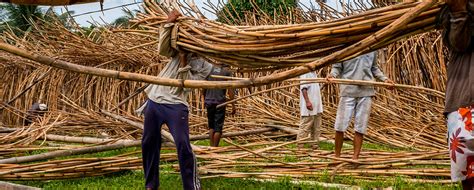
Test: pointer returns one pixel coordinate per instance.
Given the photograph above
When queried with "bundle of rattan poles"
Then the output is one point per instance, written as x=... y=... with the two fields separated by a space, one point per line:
x=279 y=46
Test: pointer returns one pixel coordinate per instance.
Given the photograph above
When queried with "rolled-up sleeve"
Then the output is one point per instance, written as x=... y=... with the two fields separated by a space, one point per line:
x=164 y=46
x=459 y=32
x=200 y=69
x=377 y=72
x=336 y=70
x=304 y=84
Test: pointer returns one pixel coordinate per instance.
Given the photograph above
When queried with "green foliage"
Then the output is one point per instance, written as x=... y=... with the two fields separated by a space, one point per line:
x=125 y=20
x=18 y=16
x=236 y=9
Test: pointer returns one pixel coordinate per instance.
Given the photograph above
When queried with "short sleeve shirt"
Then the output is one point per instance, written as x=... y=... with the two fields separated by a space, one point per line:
x=216 y=96
x=314 y=95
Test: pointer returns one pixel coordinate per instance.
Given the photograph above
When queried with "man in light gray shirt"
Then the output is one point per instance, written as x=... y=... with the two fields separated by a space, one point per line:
x=355 y=99
x=167 y=105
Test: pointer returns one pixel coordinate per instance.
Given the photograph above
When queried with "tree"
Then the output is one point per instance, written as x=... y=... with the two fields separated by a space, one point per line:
x=236 y=9
x=19 y=16
x=63 y=18
x=124 y=20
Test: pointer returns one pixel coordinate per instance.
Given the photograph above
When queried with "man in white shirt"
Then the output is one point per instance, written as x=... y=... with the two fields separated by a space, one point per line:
x=311 y=108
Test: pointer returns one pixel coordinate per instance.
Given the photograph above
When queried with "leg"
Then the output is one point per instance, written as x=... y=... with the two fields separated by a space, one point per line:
x=219 y=118
x=211 y=137
x=211 y=109
x=362 y=113
x=178 y=125
x=304 y=130
x=217 y=138
x=338 y=143
x=151 y=145
x=358 y=137
x=316 y=129
x=345 y=110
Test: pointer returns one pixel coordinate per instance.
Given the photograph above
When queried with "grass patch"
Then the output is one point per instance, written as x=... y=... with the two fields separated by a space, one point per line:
x=134 y=180
x=171 y=180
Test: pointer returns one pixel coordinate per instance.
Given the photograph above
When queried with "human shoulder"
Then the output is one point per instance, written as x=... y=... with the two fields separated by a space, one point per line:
x=226 y=71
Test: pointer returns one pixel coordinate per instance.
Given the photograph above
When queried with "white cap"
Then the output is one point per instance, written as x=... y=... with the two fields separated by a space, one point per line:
x=43 y=107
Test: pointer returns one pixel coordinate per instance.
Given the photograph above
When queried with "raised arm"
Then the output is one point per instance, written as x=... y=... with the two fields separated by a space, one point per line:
x=164 y=46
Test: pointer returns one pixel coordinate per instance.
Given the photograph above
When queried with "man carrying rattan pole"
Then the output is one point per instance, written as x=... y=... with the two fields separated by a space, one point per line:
x=214 y=97
x=458 y=22
x=355 y=99
x=311 y=109
x=167 y=105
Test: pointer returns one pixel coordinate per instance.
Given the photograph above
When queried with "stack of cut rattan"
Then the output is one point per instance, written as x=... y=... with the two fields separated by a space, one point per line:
x=281 y=46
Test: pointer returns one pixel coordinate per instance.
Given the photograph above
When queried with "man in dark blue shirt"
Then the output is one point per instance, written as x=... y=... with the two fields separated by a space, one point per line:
x=214 y=97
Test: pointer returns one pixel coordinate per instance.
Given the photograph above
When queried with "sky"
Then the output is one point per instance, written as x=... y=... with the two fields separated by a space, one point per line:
x=108 y=16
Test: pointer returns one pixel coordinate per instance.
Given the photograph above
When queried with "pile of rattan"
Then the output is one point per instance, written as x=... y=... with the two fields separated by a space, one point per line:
x=281 y=46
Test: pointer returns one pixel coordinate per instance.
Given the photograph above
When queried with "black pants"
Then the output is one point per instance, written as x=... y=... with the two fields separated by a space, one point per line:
x=215 y=117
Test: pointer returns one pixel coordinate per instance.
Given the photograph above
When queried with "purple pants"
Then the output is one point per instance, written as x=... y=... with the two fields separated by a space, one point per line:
x=175 y=116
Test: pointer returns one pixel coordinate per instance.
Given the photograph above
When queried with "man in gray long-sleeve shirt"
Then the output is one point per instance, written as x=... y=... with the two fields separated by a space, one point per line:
x=355 y=99
x=167 y=105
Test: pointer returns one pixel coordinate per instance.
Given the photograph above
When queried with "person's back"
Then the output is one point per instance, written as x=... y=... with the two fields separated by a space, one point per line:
x=212 y=98
x=216 y=96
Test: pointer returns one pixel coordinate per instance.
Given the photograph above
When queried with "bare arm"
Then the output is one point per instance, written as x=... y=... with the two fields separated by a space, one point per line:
x=164 y=45
x=378 y=73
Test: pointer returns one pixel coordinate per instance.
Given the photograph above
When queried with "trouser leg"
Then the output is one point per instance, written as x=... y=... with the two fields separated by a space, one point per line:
x=362 y=113
x=305 y=129
x=179 y=129
x=316 y=132
x=344 y=114
x=151 y=145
